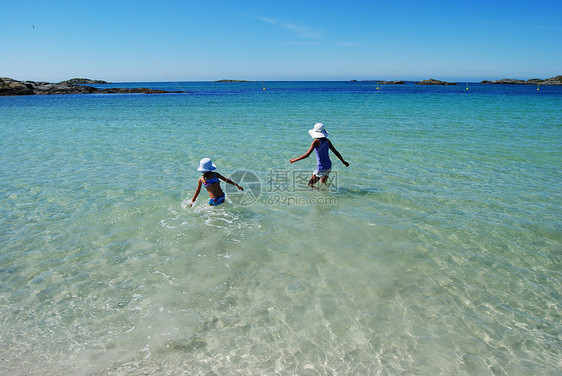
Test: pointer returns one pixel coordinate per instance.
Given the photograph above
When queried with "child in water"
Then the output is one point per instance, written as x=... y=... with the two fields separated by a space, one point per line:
x=321 y=146
x=211 y=181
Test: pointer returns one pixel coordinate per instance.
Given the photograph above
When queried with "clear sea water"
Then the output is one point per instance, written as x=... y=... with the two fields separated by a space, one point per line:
x=437 y=252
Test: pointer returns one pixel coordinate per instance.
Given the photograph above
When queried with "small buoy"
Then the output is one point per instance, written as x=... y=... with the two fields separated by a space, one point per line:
x=466 y=86
x=538 y=87
x=377 y=86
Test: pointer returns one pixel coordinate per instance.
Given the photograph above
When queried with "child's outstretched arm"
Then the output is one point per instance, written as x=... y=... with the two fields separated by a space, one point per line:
x=199 y=183
x=337 y=154
x=230 y=182
x=307 y=154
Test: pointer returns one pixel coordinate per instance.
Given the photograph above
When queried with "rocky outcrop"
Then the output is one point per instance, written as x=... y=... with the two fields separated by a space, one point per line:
x=534 y=81
x=505 y=81
x=10 y=86
x=13 y=87
x=549 y=81
x=435 y=82
x=83 y=81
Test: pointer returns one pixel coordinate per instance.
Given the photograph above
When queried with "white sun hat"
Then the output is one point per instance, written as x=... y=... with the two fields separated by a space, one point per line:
x=206 y=165
x=318 y=131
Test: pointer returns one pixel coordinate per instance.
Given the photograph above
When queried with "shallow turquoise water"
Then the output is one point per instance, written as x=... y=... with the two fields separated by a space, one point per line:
x=436 y=252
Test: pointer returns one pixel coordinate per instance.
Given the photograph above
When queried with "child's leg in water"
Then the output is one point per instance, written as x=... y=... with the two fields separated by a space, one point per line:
x=313 y=180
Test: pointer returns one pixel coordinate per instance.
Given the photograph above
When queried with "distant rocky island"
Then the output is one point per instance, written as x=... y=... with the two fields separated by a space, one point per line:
x=83 y=81
x=382 y=82
x=233 y=81
x=392 y=83
x=506 y=81
x=432 y=81
x=424 y=82
x=9 y=86
x=534 y=81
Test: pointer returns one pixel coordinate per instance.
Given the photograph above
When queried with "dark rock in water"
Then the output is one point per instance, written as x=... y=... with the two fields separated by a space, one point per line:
x=434 y=82
x=9 y=86
x=141 y=90
x=46 y=88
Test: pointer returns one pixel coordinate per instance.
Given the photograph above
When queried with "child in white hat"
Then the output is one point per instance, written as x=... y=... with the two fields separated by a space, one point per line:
x=210 y=180
x=321 y=146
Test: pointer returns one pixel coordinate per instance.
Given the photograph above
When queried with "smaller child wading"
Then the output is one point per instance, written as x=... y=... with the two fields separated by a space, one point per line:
x=210 y=180
x=321 y=146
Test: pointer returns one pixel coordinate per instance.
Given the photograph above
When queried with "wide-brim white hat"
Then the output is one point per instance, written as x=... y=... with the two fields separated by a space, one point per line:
x=318 y=131
x=206 y=165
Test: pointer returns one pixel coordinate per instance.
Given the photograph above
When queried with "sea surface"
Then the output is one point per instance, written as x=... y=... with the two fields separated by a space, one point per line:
x=438 y=251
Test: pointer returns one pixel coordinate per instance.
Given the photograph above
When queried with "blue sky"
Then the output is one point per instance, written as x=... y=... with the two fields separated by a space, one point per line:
x=280 y=40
